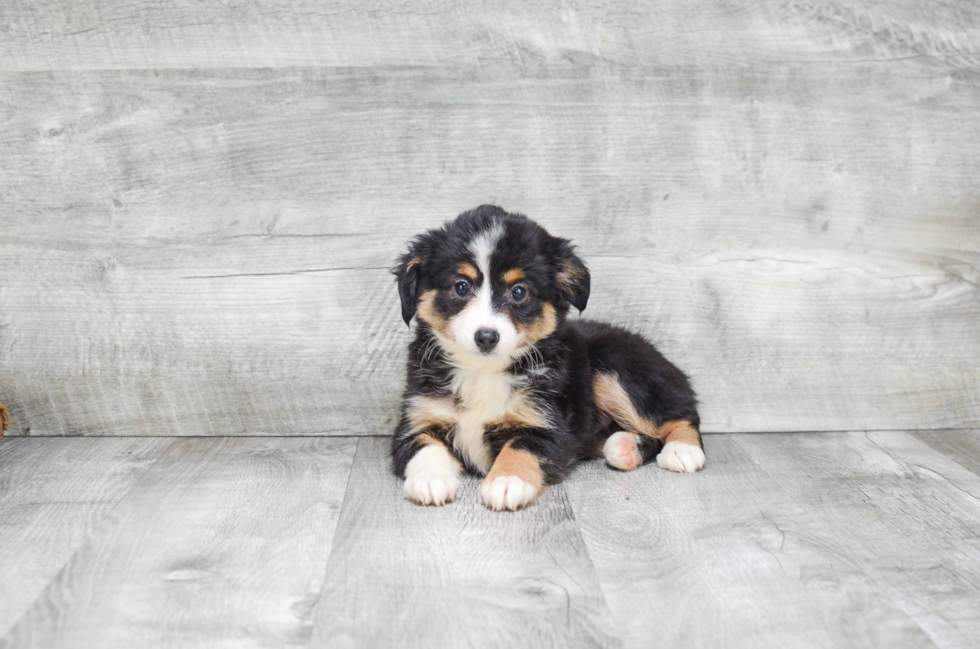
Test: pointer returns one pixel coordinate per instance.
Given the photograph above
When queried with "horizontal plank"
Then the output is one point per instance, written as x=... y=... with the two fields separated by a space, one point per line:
x=403 y=575
x=196 y=251
x=54 y=494
x=128 y=34
x=793 y=347
x=182 y=404
x=223 y=542
x=177 y=155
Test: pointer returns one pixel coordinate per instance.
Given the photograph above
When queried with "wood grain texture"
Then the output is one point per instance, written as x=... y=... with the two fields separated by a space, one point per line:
x=726 y=558
x=907 y=514
x=223 y=543
x=801 y=540
x=961 y=446
x=193 y=251
x=140 y=34
x=54 y=493
x=403 y=575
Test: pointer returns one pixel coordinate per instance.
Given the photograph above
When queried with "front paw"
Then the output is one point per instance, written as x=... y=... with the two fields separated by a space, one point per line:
x=681 y=457
x=432 y=486
x=432 y=476
x=507 y=492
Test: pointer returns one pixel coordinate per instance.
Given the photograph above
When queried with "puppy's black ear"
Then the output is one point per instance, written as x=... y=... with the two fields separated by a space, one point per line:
x=571 y=275
x=409 y=271
x=408 y=274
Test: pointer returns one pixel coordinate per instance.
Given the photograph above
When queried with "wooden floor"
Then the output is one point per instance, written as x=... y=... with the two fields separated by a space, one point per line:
x=831 y=539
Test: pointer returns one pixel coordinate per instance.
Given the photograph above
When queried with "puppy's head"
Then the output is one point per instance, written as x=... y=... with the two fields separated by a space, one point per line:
x=490 y=284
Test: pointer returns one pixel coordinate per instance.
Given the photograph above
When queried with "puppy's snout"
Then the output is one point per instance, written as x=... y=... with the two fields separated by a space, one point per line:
x=486 y=339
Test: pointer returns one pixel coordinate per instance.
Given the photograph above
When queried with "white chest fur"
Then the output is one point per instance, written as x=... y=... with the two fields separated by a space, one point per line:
x=485 y=393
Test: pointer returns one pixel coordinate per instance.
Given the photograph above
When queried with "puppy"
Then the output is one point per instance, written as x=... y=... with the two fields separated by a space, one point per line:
x=500 y=384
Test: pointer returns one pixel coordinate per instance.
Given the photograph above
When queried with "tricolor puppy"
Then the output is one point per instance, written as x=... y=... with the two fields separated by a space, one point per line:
x=502 y=385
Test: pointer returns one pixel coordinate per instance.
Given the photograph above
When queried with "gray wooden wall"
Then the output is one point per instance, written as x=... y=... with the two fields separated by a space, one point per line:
x=199 y=202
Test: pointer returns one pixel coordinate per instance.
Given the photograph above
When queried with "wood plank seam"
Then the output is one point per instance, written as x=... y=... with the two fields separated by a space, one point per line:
x=882 y=587
x=92 y=533
x=340 y=517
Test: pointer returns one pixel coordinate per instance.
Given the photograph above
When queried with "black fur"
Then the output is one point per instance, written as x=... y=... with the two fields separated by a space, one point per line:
x=559 y=373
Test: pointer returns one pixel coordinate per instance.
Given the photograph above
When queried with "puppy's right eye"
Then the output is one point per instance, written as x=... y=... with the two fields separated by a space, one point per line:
x=462 y=288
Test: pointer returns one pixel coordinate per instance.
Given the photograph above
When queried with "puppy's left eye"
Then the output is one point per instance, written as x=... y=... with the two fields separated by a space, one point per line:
x=518 y=293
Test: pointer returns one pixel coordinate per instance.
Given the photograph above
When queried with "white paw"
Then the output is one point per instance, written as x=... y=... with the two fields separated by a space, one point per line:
x=432 y=487
x=621 y=451
x=681 y=457
x=507 y=492
x=432 y=476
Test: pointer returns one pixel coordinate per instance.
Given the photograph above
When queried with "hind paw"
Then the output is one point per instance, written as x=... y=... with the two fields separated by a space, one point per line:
x=622 y=452
x=681 y=457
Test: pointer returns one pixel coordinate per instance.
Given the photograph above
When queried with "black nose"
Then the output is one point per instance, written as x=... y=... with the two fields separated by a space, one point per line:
x=486 y=339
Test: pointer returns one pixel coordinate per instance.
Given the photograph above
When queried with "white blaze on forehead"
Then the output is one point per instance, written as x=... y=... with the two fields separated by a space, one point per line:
x=482 y=248
x=479 y=313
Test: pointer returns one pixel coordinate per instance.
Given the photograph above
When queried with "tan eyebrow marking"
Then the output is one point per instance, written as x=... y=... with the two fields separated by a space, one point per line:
x=468 y=271
x=513 y=275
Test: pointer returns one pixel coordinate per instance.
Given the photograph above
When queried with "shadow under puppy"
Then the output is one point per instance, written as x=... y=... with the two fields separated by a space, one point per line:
x=502 y=385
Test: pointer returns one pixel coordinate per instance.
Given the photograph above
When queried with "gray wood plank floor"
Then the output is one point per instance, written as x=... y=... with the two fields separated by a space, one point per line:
x=53 y=494
x=230 y=538
x=785 y=540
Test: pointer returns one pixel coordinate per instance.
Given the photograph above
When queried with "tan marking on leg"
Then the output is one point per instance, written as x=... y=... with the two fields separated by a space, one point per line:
x=4 y=419
x=513 y=275
x=427 y=312
x=540 y=328
x=469 y=271
x=680 y=430
x=430 y=412
x=611 y=398
x=523 y=464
